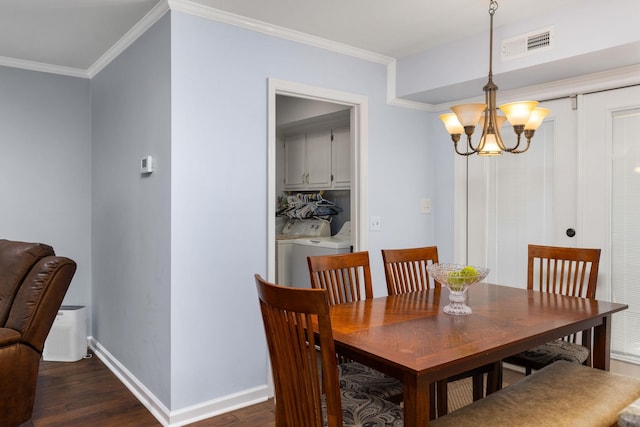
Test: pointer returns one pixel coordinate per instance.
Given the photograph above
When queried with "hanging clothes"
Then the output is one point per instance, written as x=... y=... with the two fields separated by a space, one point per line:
x=308 y=205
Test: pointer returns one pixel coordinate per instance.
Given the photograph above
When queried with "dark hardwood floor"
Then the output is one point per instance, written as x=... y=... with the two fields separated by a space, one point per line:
x=86 y=393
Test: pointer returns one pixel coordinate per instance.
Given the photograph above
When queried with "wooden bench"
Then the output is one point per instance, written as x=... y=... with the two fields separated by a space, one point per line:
x=561 y=394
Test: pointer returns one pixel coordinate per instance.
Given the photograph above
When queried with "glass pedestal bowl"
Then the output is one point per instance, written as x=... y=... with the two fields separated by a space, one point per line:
x=458 y=279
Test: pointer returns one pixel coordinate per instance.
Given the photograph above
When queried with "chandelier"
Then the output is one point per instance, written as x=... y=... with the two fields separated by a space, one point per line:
x=524 y=116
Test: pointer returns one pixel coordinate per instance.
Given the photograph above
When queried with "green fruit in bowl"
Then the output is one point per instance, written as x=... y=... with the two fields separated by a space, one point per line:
x=469 y=271
x=462 y=277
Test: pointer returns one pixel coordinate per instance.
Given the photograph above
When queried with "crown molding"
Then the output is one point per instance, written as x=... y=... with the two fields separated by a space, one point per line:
x=136 y=31
x=399 y=102
x=580 y=85
x=605 y=80
x=42 y=67
x=132 y=35
x=192 y=8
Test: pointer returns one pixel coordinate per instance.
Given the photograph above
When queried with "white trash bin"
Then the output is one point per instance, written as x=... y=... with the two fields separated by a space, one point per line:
x=67 y=340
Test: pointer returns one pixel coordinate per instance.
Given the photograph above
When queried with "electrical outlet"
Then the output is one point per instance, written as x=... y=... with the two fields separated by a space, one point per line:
x=375 y=224
x=425 y=205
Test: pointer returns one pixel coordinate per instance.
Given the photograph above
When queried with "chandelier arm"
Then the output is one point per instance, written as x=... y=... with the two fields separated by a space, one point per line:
x=518 y=129
x=514 y=149
x=455 y=145
x=528 y=133
x=469 y=132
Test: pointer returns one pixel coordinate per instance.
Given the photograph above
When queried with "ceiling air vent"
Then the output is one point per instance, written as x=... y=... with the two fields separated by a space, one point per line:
x=527 y=44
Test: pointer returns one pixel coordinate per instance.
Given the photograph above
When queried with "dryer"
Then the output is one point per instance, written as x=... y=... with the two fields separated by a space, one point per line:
x=313 y=246
x=292 y=230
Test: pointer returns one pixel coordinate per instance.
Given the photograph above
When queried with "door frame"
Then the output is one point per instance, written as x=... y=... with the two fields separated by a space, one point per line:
x=359 y=113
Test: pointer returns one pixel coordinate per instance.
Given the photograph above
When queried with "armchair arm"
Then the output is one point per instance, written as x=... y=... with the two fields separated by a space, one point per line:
x=9 y=337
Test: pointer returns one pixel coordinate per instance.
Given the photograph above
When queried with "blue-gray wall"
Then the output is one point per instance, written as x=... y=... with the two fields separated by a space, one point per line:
x=45 y=167
x=219 y=190
x=131 y=118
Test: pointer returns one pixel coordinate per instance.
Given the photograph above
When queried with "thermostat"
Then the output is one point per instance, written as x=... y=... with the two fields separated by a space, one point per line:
x=146 y=164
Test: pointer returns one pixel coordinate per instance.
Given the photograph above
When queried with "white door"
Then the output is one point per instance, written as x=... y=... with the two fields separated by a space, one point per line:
x=610 y=205
x=518 y=199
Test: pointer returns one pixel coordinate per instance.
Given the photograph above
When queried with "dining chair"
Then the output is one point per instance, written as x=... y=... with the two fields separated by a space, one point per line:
x=307 y=391
x=406 y=271
x=347 y=278
x=566 y=271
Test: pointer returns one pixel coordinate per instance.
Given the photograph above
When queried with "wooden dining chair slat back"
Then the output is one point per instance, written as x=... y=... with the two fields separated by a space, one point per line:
x=405 y=270
x=346 y=277
x=287 y=315
x=565 y=271
x=307 y=391
x=560 y=270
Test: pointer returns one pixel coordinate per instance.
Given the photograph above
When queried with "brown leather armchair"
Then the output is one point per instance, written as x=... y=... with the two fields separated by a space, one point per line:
x=33 y=283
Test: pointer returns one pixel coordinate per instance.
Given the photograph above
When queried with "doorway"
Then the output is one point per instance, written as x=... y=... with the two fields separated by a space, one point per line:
x=582 y=175
x=357 y=107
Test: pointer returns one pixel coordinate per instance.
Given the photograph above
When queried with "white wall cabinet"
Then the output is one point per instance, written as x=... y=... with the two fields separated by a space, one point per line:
x=341 y=158
x=318 y=160
x=295 y=168
x=307 y=161
x=316 y=153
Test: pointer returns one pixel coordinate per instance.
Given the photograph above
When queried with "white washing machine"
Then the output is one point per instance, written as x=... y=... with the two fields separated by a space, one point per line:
x=313 y=246
x=291 y=231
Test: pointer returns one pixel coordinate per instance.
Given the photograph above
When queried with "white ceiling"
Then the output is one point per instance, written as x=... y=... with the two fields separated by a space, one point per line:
x=76 y=33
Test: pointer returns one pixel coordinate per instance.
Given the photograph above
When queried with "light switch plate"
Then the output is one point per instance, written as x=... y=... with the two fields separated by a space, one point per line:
x=146 y=165
x=425 y=205
x=375 y=223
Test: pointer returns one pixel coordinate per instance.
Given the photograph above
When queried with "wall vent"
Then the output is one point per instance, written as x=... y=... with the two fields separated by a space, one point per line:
x=527 y=44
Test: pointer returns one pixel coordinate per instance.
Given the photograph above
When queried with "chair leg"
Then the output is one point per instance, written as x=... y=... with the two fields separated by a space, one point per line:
x=442 y=400
x=432 y=401
x=478 y=386
x=494 y=378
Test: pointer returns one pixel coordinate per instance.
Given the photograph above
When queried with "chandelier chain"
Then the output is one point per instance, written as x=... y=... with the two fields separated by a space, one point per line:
x=492 y=9
x=493 y=6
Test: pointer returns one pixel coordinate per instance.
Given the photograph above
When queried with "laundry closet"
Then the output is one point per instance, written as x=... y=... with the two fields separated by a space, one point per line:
x=313 y=185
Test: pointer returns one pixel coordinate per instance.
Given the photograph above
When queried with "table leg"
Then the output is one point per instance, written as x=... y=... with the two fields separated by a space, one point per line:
x=417 y=398
x=601 y=350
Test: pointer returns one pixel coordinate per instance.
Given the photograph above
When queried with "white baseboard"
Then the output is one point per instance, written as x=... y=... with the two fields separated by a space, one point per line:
x=181 y=416
x=514 y=368
x=219 y=406
x=621 y=366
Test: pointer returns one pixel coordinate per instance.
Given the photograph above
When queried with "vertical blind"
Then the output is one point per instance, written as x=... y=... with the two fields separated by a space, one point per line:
x=625 y=232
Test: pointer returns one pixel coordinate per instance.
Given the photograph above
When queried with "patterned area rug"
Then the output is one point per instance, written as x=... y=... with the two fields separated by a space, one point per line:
x=460 y=393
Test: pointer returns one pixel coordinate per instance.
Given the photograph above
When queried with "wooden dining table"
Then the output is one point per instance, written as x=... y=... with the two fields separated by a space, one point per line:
x=409 y=336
